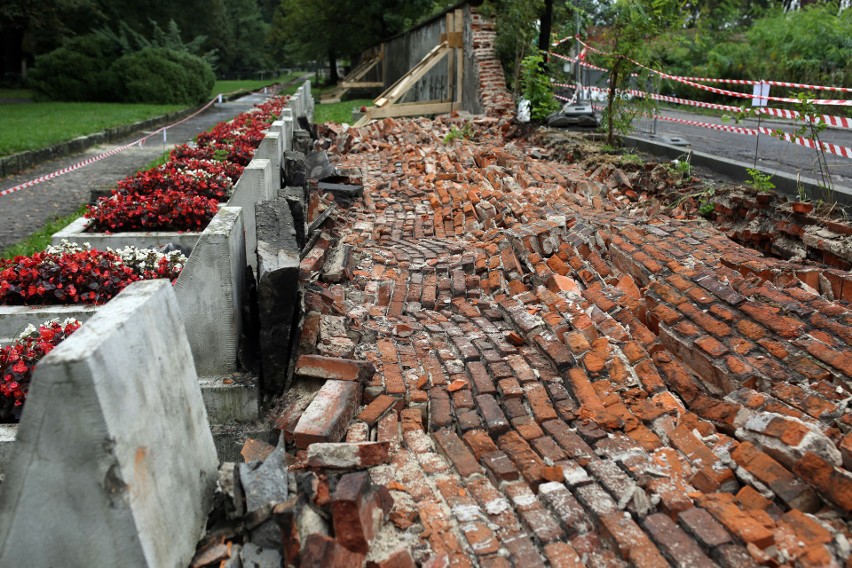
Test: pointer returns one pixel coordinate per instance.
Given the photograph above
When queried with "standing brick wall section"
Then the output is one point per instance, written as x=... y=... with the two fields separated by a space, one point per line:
x=495 y=98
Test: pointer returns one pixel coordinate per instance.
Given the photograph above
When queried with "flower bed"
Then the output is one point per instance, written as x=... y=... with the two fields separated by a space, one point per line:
x=183 y=194
x=75 y=274
x=18 y=360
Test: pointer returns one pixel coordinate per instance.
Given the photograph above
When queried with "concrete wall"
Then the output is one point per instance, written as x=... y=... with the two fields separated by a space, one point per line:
x=470 y=81
x=404 y=51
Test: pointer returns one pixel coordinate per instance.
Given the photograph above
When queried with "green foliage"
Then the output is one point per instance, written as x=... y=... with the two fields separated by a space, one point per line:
x=466 y=132
x=759 y=180
x=77 y=71
x=347 y=26
x=734 y=39
x=681 y=168
x=811 y=126
x=164 y=76
x=537 y=87
x=706 y=208
x=517 y=27
x=631 y=24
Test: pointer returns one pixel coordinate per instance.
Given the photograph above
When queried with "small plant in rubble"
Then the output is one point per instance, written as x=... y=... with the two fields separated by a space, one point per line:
x=760 y=181
x=466 y=132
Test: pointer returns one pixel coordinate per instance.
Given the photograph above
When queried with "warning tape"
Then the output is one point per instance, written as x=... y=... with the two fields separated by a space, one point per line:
x=822 y=102
x=773 y=83
x=835 y=149
x=109 y=153
x=838 y=121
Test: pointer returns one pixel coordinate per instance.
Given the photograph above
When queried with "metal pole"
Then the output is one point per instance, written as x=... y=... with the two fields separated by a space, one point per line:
x=757 y=142
x=577 y=49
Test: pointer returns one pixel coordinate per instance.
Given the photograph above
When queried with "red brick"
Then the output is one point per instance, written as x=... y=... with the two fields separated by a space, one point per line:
x=562 y=555
x=633 y=544
x=675 y=543
x=835 y=484
x=327 y=417
x=495 y=421
x=320 y=367
x=320 y=551
x=457 y=452
x=790 y=489
x=357 y=511
x=528 y=462
x=701 y=524
x=376 y=409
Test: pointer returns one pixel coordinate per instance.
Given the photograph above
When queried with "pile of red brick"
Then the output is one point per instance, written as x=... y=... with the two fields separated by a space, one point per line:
x=539 y=373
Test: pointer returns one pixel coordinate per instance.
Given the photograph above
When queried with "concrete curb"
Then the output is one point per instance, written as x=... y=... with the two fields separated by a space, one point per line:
x=785 y=183
x=21 y=161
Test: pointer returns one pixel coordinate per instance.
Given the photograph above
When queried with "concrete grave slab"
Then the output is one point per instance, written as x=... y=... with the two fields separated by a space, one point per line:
x=209 y=292
x=114 y=463
x=252 y=187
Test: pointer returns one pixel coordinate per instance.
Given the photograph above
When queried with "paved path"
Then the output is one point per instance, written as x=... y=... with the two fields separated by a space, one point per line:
x=771 y=152
x=25 y=211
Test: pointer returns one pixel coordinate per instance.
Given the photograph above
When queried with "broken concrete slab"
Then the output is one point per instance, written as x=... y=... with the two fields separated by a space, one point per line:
x=277 y=290
x=348 y=455
x=329 y=414
x=295 y=169
x=318 y=167
x=116 y=433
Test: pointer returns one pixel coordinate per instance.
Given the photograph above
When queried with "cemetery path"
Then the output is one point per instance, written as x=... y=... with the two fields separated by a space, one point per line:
x=27 y=210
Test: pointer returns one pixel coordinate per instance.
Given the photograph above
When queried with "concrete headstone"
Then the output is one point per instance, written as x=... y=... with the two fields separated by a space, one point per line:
x=114 y=464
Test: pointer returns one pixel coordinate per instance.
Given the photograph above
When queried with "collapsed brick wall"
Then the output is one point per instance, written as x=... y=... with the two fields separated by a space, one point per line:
x=560 y=378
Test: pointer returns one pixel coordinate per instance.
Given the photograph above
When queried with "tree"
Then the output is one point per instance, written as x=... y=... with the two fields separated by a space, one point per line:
x=29 y=27
x=331 y=29
x=632 y=24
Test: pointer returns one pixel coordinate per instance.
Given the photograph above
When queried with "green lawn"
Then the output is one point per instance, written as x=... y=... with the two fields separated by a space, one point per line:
x=338 y=112
x=29 y=126
x=226 y=87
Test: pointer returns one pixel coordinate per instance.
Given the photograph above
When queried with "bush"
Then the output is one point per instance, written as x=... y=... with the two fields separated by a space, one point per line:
x=77 y=71
x=158 y=75
x=537 y=87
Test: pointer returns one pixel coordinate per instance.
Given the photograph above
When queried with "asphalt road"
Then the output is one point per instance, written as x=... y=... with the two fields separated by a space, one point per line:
x=27 y=210
x=771 y=152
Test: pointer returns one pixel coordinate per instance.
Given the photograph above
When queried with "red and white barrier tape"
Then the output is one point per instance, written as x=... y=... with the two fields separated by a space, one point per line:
x=822 y=102
x=773 y=83
x=835 y=149
x=838 y=121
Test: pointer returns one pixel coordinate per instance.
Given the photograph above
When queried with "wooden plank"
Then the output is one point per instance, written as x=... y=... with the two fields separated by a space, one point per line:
x=416 y=73
x=362 y=84
x=411 y=109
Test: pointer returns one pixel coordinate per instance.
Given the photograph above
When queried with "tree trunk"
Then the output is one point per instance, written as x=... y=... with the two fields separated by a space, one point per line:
x=610 y=99
x=332 y=67
x=546 y=26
